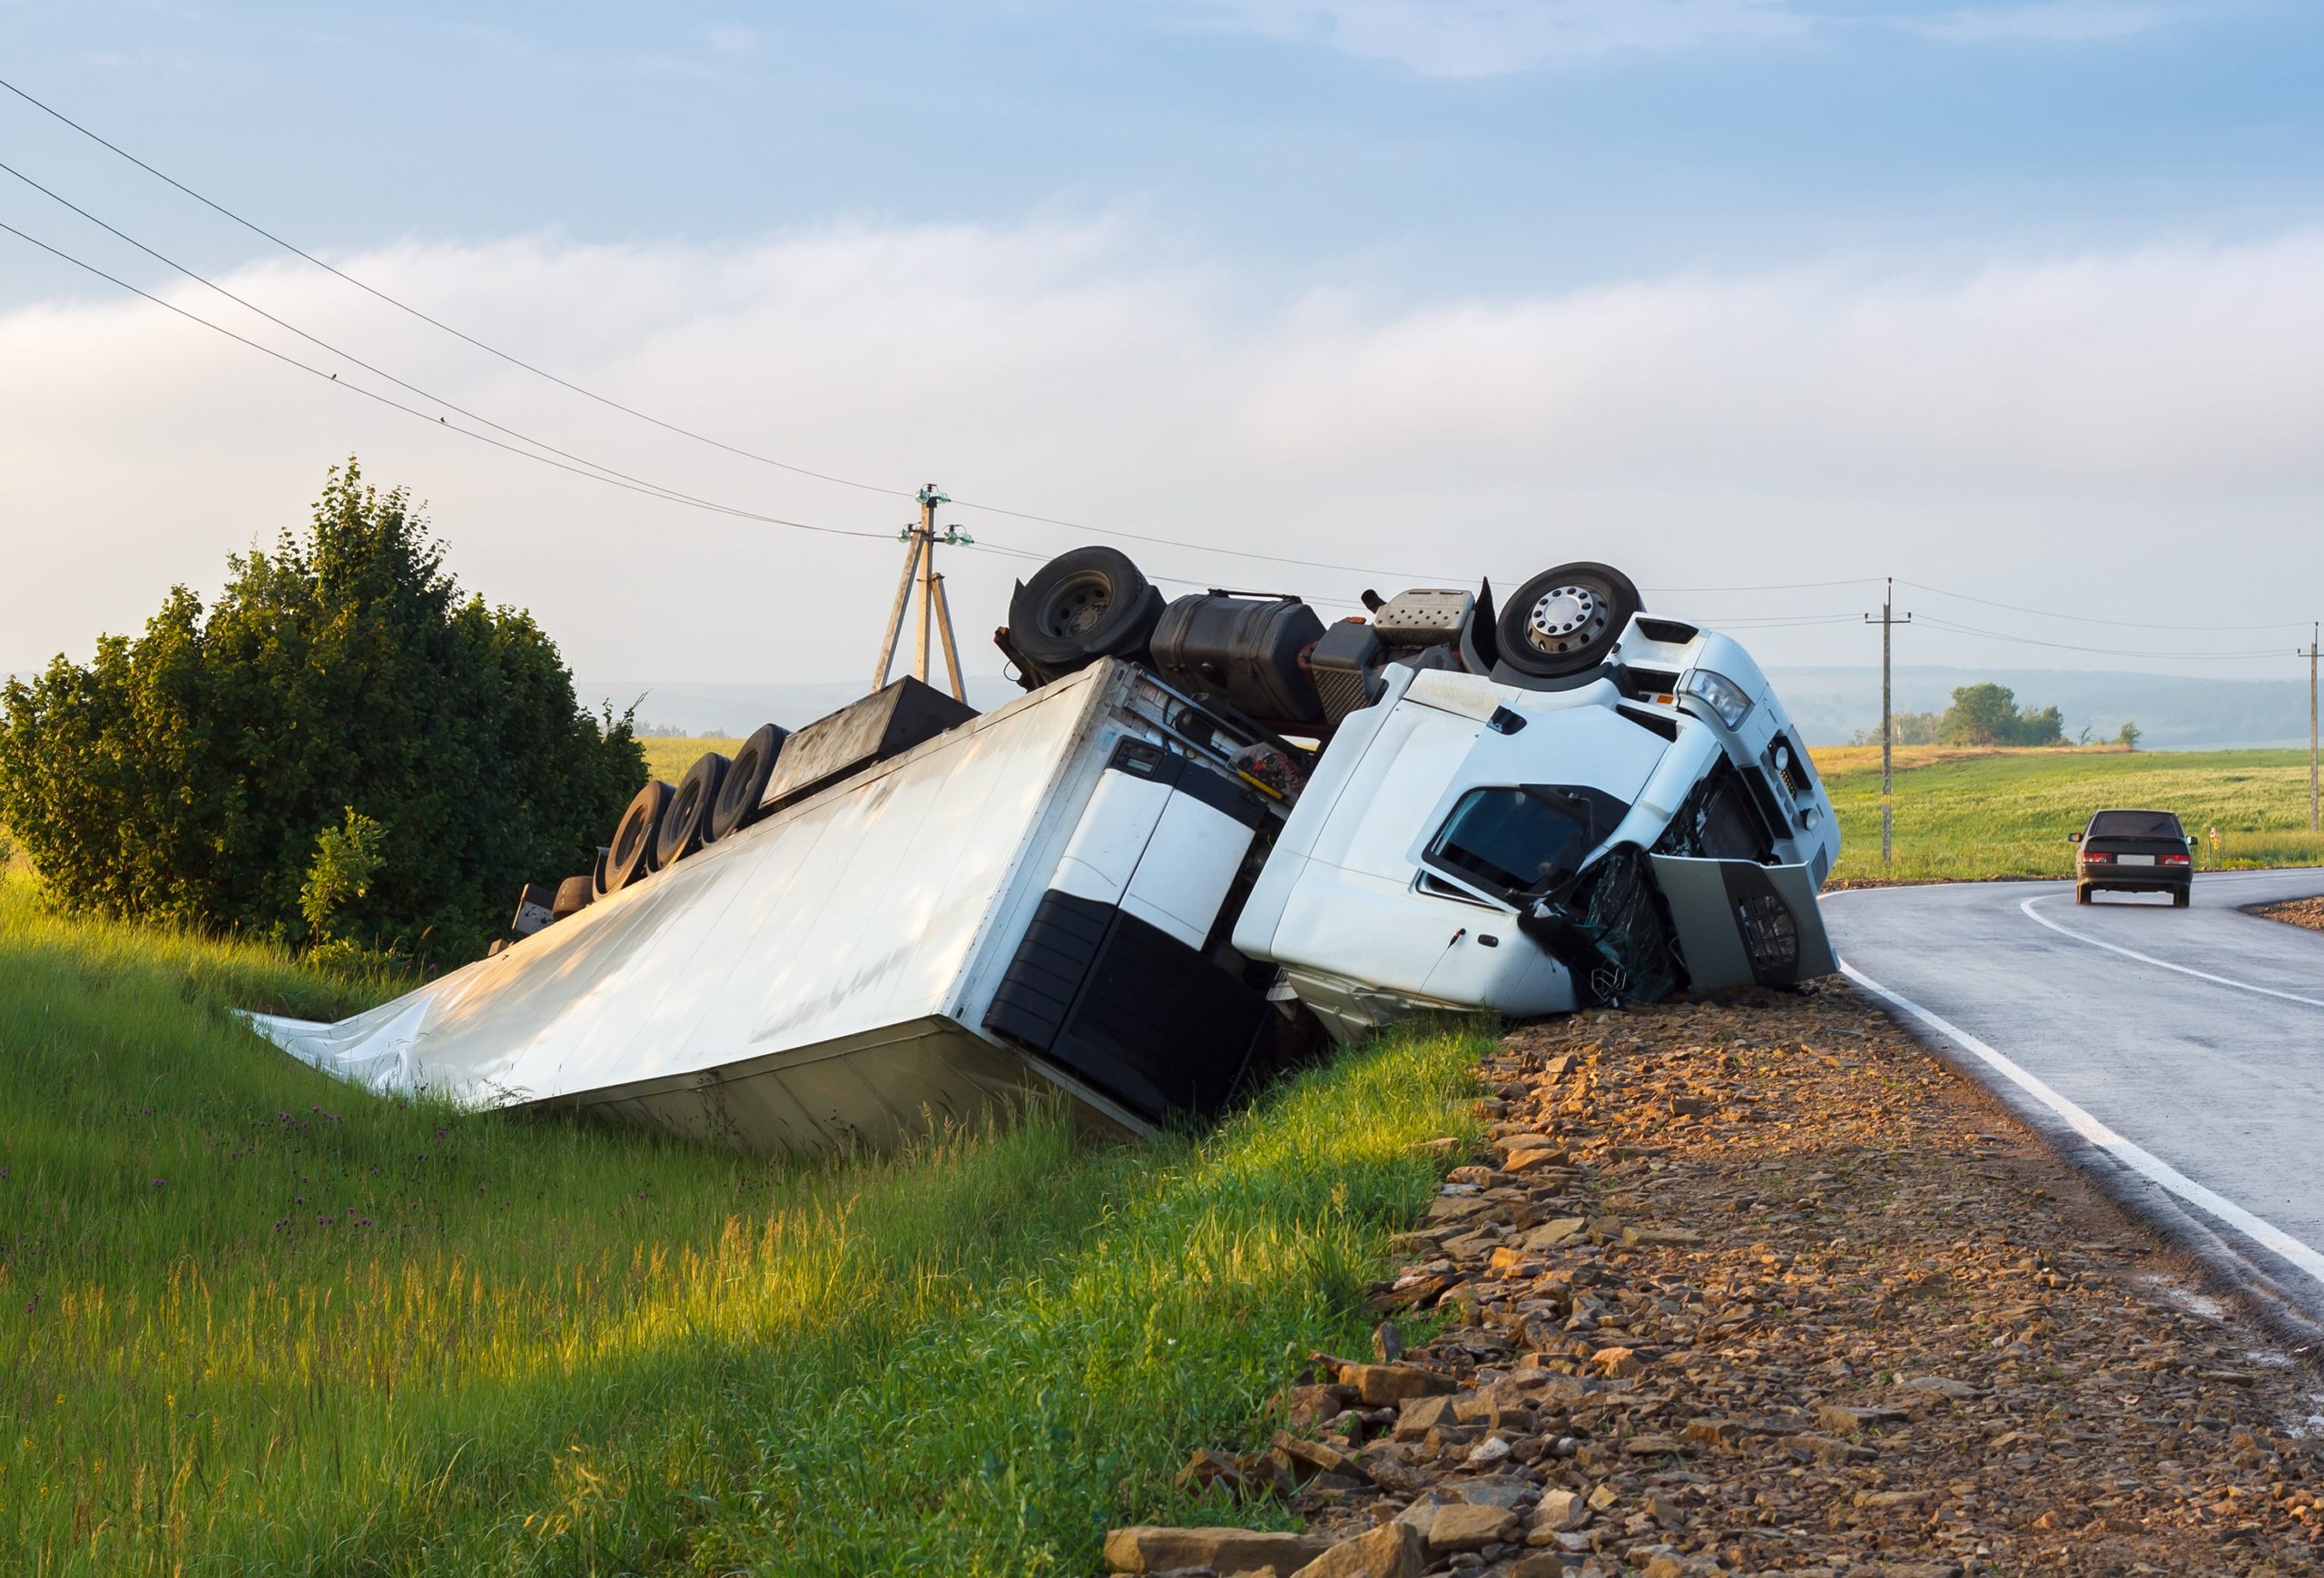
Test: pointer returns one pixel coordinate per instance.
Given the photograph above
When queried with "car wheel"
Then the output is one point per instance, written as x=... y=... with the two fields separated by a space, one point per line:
x=739 y=793
x=1081 y=606
x=632 y=855
x=686 y=824
x=2081 y=893
x=2181 y=899
x=1565 y=621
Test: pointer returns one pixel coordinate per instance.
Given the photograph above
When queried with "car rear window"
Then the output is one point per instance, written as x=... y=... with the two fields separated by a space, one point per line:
x=2136 y=824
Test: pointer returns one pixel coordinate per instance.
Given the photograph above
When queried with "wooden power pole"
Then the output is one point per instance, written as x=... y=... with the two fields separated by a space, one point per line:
x=2311 y=729
x=920 y=566
x=1887 y=721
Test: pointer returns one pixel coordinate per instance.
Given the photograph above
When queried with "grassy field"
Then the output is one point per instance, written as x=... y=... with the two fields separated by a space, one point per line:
x=667 y=757
x=1986 y=814
x=254 y=1321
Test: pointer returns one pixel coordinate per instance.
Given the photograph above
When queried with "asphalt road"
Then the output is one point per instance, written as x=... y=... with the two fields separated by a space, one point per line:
x=2182 y=1049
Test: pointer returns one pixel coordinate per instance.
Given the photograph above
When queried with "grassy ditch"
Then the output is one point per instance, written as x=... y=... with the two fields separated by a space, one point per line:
x=1966 y=813
x=253 y=1321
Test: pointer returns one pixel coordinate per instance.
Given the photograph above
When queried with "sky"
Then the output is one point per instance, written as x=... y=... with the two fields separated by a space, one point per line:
x=2019 y=301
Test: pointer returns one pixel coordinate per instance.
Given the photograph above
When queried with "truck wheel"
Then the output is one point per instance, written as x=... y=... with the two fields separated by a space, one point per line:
x=633 y=853
x=685 y=825
x=737 y=804
x=1082 y=606
x=597 y=888
x=1566 y=620
x=572 y=895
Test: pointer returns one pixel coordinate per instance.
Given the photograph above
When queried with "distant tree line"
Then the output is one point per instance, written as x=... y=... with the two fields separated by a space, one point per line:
x=1981 y=715
x=343 y=750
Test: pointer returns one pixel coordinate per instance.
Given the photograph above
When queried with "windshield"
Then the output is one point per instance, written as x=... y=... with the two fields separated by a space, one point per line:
x=1520 y=840
x=2136 y=824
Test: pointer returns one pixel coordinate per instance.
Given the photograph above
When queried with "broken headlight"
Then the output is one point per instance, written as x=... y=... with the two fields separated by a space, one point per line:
x=1721 y=695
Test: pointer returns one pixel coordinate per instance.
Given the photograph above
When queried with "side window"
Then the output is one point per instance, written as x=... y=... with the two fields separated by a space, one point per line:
x=1516 y=841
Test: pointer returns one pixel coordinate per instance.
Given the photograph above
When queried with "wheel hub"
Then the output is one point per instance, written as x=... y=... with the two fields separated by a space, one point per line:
x=1076 y=605
x=1565 y=618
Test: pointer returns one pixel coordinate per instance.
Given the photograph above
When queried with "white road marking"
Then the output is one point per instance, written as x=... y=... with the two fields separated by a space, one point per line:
x=2139 y=1159
x=2150 y=959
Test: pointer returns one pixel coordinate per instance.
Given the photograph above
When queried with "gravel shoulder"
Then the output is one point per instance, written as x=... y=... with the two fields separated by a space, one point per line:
x=2307 y=912
x=1763 y=1287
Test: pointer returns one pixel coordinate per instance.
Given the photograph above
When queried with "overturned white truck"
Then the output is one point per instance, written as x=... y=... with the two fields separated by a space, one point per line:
x=1210 y=827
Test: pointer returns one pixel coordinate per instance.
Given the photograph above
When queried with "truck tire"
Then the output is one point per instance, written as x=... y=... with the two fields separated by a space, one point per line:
x=744 y=784
x=1565 y=621
x=632 y=856
x=573 y=896
x=1081 y=606
x=597 y=888
x=685 y=825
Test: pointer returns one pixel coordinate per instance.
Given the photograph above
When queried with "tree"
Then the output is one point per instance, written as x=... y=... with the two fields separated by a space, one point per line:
x=188 y=774
x=1988 y=714
x=345 y=861
x=2130 y=736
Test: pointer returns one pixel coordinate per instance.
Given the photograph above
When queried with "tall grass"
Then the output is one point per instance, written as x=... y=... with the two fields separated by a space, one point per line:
x=1986 y=814
x=252 y=1321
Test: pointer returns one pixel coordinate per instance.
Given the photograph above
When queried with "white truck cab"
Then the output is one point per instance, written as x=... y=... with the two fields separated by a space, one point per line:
x=1467 y=843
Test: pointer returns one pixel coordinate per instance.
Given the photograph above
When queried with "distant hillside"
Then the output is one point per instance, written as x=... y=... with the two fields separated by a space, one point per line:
x=1831 y=705
x=2173 y=713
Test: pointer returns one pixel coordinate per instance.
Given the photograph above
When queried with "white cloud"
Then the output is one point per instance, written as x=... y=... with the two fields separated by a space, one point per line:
x=1990 y=428
x=1460 y=38
x=1485 y=37
x=2056 y=21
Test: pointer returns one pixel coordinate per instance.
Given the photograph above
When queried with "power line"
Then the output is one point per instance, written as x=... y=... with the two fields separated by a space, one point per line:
x=400 y=306
x=2089 y=618
x=648 y=490
x=663 y=490
x=2068 y=646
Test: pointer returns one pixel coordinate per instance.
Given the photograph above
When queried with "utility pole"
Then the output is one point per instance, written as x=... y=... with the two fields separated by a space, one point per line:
x=1888 y=722
x=920 y=566
x=2311 y=728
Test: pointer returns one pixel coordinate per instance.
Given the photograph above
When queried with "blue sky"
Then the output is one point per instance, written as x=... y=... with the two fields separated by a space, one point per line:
x=1355 y=142
x=1229 y=271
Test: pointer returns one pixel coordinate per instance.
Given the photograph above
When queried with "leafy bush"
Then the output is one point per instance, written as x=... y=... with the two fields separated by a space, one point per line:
x=187 y=775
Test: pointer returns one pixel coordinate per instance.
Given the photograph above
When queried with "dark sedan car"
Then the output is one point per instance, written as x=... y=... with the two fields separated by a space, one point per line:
x=2133 y=852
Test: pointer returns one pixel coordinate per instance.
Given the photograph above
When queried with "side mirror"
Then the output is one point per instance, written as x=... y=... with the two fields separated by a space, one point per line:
x=2073 y=838
x=2190 y=840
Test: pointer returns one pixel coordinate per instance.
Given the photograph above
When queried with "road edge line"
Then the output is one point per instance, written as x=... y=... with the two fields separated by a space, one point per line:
x=2163 y=1205
x=2026 y=909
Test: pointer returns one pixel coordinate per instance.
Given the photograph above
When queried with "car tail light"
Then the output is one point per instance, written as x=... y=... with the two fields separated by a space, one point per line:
x=2171 y=860
x=2096 y=857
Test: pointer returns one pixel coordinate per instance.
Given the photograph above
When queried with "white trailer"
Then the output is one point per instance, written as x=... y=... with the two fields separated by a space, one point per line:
x=825 y=978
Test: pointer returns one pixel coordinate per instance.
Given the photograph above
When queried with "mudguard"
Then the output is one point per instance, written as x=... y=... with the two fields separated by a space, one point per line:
x=1740 y=923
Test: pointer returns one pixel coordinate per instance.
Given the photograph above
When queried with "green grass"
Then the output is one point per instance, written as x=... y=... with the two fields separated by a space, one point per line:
x=253 y=1321
x=1990 y=813
x=667 y=757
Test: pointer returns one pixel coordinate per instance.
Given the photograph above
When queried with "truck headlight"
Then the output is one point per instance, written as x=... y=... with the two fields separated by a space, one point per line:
x=1720 y=694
